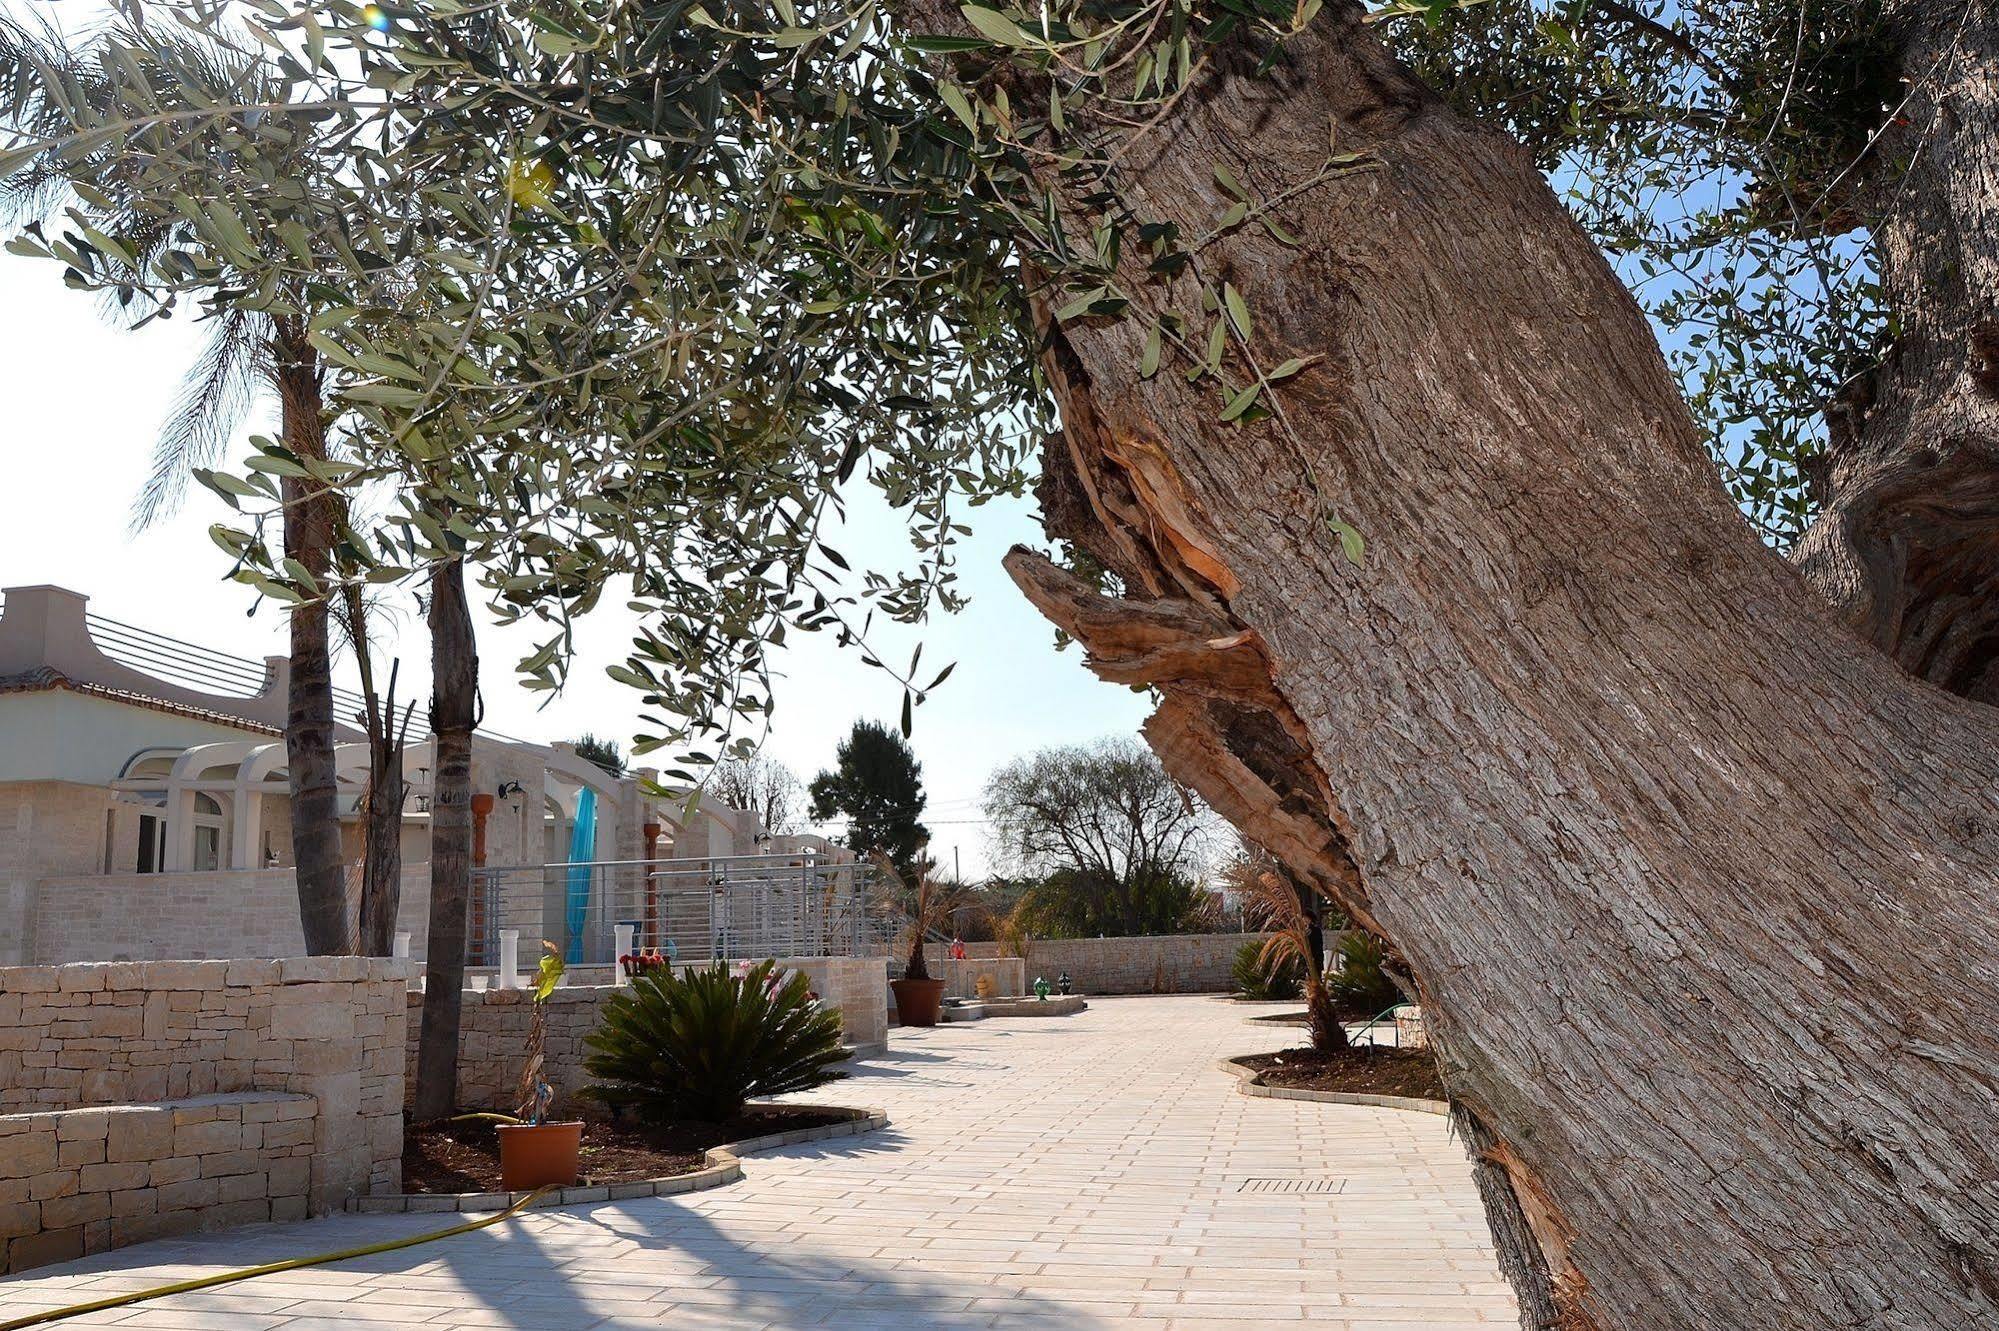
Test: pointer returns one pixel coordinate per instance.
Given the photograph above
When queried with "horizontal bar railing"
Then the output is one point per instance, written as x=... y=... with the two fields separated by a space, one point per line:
x=724 y=908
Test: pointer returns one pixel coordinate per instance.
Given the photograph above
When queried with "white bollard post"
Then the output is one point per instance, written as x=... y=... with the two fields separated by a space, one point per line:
x=510 y=959
x=402 y=946
x=621 y=945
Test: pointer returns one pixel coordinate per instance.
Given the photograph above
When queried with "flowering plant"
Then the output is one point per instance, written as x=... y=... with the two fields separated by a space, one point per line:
x=635 y=964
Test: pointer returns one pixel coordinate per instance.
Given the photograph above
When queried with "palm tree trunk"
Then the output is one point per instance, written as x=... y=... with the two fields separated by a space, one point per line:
x=382 y=858
x=1321 y=1017
x=453 y=716
x=315 y=797
x=382 y=868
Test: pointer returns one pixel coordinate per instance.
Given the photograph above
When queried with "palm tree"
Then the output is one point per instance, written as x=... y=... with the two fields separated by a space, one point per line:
x=453 y=717
x=382 y=817
x=1291 y=912
x=50 y=91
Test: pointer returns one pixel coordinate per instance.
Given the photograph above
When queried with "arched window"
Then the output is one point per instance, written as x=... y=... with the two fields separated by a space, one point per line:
x=209 y=832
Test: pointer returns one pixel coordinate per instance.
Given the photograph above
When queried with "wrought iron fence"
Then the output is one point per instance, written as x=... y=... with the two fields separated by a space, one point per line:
x=728 y=908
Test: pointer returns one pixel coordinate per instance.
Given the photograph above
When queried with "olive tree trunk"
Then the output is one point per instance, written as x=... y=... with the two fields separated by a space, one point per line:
x=453 y=717
x=324 y=911
x=1907 y=545
x=1697 y=888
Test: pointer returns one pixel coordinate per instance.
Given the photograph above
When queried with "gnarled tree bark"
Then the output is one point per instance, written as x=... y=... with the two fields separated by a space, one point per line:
x=1907 y=541
x=1697 y=887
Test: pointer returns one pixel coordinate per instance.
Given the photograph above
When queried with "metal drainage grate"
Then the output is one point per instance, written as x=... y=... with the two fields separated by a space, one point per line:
x=1293 y=1186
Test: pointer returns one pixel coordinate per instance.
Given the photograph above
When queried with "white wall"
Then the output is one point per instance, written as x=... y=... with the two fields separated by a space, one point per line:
x=57 y=735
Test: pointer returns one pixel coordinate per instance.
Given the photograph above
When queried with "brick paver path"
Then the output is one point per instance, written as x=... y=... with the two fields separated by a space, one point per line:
x=1077 y=1172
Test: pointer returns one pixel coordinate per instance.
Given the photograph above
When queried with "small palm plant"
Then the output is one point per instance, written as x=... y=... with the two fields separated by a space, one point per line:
x=1016 y=931
x=698 y=1045
x=1264 y=979
x=535 y=1153
x=1360 y=984
x=925 y=908
x=536 y=1094
x=1285 y=910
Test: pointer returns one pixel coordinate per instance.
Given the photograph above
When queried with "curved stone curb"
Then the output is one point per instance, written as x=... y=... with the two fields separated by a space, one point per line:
x=721 y=1165
x=1250 y=1082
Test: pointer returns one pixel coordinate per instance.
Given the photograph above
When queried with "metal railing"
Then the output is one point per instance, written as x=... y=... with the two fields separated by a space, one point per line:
x=725 y=908
x=177 y=661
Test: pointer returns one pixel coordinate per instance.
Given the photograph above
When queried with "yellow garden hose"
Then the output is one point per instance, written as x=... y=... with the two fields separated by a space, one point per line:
x=251 y=1272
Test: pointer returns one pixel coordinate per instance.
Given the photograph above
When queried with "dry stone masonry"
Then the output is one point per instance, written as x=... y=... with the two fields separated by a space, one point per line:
x=83 y=1180
x=1165 y=964
x=144 y=1098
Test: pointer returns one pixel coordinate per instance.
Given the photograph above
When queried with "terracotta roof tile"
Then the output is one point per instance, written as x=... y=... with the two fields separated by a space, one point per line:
x=46 y=678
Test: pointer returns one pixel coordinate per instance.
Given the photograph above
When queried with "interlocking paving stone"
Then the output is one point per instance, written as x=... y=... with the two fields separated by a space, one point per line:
x=1091 y=1171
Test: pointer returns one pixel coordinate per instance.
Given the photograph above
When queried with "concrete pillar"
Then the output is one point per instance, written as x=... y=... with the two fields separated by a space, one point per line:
x=245 y=843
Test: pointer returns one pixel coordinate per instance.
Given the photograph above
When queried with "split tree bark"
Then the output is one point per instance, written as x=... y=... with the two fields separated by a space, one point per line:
x=1696 y=886
x=1907 y=546
x=308 y=536
x=453 y=717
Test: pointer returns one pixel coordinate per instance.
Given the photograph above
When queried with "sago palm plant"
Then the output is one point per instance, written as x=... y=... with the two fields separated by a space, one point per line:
x=698 y=1045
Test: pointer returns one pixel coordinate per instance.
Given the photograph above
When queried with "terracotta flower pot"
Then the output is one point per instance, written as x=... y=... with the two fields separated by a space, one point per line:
x=535 y=1156
x=918 y=1002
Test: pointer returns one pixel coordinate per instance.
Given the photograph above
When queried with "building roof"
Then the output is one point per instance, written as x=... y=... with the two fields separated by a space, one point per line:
x=46 y=678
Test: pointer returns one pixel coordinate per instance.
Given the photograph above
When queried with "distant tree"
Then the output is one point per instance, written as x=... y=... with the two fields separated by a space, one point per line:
x=876 y=785
x=1088 y=903
x=606 y=753
x=762 y=786
x=1115 y=846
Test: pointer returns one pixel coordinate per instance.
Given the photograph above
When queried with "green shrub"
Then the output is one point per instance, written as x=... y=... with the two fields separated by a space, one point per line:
x=1278 y=979
x=697 y=1045
x=1360 y=986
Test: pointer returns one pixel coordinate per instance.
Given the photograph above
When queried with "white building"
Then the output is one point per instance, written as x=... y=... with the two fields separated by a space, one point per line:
x=145 y=807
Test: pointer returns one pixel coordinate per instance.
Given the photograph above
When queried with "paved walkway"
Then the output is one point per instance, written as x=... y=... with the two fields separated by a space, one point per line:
x=1079 y=1172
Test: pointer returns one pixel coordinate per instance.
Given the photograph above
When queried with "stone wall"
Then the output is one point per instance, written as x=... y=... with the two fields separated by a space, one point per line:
x=1166 y=964
x=494 y=1023
x=961 y=978
x=98 y=1035
x=84 y=1180
x=157 y=916
x=46 y=827
x=858 y=988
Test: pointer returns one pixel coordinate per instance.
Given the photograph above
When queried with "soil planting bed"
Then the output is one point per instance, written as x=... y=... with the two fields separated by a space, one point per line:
x=1362 y=1070
x=465 y=1157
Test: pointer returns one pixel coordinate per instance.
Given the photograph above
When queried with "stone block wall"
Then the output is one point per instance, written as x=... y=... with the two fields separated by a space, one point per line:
x=961 y=978
x=46 y=827
x=222 y=914
x=494 y=1023
x=78 y=1181
x=858 y=988
x=1165 y=964
x=493 y=1029
x=119 y=1033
